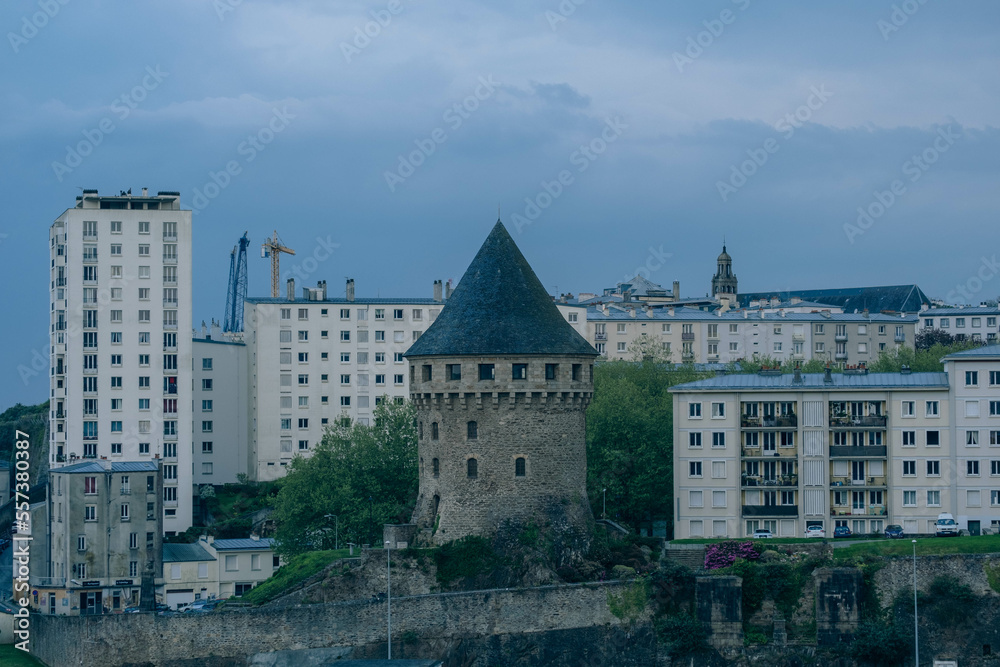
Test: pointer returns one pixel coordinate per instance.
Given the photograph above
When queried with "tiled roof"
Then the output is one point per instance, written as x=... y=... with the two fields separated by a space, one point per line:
x=976 y=353
x=897 y=298
x=243 y=544
x=815 y=382
x=94 y=467
x=184 y=553
x=500 y=307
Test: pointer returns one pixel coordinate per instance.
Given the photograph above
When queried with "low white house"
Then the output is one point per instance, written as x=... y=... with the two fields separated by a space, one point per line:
x=242 y=563
x=190 y=573
x=215 y=569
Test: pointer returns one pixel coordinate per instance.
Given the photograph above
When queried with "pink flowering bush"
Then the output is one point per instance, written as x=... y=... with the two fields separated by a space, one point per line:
x=724 y=554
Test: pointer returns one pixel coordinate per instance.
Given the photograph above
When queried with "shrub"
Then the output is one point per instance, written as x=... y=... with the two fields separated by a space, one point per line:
x=681 y=634
x=993 y=576
x=465 y=558
x=622 y=572
x=881 y=643
x=724 y=554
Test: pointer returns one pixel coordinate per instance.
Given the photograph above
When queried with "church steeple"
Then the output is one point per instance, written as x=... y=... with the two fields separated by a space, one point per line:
x=724 y=281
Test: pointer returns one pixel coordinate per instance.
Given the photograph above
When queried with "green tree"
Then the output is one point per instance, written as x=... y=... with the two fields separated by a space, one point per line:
x=920 y=361
x=630 y=438
x=365 y=475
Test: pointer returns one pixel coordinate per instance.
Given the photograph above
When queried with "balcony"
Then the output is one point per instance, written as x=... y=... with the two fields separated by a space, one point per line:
x=170 y=260
x=840 y=356
x=757 y=481
x=866 y=421
x=780 y=452
x=170 y=303
x=840 y=337
x=687 y=336
x=877 y=510
x=49 y=582
x=780 y=421
x=850 y=451
x=899 y=338
x=687 y=355
x=600 y=336
x=770 y=510
x=798 y=336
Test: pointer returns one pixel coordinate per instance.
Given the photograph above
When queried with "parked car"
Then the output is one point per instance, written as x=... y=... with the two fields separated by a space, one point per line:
x=895 y=532
x=842 y=531
x=762 y=534
x=815 y=531
x=945 y=525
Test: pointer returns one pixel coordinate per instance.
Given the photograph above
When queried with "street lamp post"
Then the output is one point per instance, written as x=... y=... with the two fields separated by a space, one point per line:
x=916 y=630
x=336 y=530
x=604 y=510
x=388 y=584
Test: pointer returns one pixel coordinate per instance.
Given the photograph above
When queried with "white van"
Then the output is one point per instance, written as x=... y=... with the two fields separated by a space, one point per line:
x=945 y=525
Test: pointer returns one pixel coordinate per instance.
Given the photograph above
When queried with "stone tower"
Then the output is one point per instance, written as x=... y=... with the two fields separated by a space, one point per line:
x=500 y=382
x=724 y=283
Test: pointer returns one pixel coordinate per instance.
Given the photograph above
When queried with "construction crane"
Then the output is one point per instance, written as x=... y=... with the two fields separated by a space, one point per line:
x=273 y=248
x=237 y=291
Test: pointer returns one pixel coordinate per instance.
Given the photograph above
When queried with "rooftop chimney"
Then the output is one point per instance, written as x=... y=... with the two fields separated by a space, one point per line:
x=828 y=375
x=145 y=192
x=290 y=289
x=437 y=291
x=677 y=290
x=797 y=378
x=905 y=370
x=447 y=290
x=321 y=286
x=350 y=289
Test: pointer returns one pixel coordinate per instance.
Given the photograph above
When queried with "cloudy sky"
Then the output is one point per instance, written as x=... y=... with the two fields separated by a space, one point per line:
x=613 y=137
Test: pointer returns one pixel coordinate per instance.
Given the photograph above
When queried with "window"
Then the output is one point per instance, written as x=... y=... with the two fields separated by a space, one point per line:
x=718 y=469
x=232 y=563
x=397 y=379
x=994 y=468
x=397 y=314
x=933 y=439
x=486 y=371
x=206 y=447
x=116 y=227
x=972 y=438
x=972 y=408
x=206 y=384
x=719 y=439
x=303 y=445
x=995 y=498
x=472 y=468
x=718 y=498
x=931 y=409
x=694 y=469
x=910 y=468
x=694 y=410
x=435 y=467
x=304 y=421
x=621 y=347
x=519 y=372
x=934 y=498
x=971 y=378
x=933 y=468
x=994 y=408
x=144 y=448
x=472 y=430
x=696 y=499
x=90 y=486
x=694 y=439
x=972 y=468
x=90 y=513
x=519 y=466
x=124 y=512
x=909 y=438
x=909 y=498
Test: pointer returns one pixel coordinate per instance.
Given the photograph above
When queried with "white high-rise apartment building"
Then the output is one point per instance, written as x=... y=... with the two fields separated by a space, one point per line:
x=121 y=360
x=314 y=359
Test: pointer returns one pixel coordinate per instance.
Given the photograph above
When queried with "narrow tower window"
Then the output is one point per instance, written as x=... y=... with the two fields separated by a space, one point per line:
x=435 y=467
x=519 y=466
x=473 y=430
x=472 y=467
x=434 y=430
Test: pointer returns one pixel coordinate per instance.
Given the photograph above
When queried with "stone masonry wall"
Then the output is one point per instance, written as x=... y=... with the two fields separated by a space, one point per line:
x=229 y=638
x=539 y=420
x=897 y=573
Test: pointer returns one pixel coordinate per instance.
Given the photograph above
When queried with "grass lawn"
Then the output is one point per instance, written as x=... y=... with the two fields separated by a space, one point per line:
x=298 y=569
x=12 y=657
x=926 y=546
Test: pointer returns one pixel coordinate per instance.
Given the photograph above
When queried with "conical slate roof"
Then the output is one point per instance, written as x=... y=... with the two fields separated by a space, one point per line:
x=500 y=307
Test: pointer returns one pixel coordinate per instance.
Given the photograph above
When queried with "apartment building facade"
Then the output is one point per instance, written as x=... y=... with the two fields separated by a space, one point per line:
x=105 y=537
x=698 y=336
x=120 y=296
x=786 y=452
x=979 y=323
x=221 y=410
x=312 y=360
